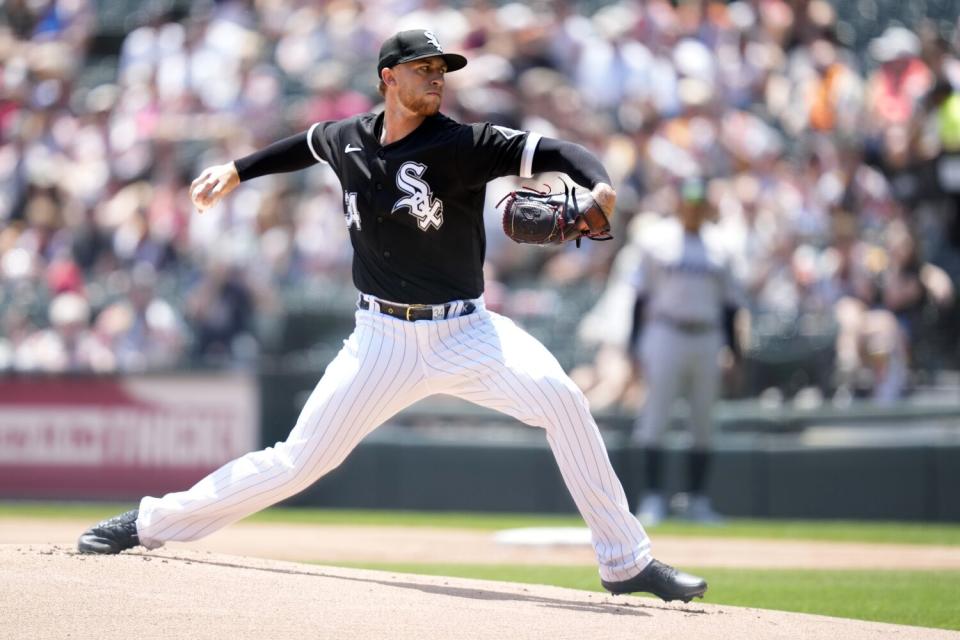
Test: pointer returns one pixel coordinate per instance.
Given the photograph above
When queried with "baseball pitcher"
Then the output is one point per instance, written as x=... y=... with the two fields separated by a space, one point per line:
x=413 y=190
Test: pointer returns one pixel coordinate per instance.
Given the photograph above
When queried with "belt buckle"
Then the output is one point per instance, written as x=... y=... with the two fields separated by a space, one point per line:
x=438 y=310
x=414 y=307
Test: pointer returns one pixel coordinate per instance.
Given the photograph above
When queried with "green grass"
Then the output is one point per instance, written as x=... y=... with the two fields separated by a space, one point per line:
x=921 y=598
x=832 y=530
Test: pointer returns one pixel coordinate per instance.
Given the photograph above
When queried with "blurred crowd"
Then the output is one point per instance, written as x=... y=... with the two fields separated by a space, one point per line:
x=834 y=172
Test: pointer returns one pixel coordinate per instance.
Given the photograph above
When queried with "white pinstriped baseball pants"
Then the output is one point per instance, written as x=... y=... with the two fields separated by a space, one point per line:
x=386 y=365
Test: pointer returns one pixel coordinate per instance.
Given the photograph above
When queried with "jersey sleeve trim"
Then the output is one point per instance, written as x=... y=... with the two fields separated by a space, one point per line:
x=310 y=144
x=526 y=158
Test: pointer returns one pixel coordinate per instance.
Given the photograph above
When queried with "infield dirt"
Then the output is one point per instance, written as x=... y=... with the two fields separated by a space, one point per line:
x=49 y=591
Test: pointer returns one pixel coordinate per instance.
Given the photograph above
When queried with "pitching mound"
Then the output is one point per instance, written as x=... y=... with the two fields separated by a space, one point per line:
x=52 y=592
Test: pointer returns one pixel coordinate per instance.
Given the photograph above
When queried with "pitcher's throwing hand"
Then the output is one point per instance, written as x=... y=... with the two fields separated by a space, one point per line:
x=213 y=184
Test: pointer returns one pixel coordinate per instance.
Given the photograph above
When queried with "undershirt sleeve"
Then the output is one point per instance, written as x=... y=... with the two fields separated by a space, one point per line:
x=570 y=158
x=283 y=156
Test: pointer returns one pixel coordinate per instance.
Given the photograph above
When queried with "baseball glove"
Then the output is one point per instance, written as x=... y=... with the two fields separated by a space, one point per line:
x=535 y=217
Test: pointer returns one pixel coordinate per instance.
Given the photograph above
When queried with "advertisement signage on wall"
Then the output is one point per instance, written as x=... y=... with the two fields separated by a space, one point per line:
x=121 y=437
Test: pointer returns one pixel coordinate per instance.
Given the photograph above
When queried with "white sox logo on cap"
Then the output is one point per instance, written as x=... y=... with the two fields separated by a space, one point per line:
x=432 y=39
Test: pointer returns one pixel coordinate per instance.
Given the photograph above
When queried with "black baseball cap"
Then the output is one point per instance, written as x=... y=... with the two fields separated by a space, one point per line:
x=414 y=45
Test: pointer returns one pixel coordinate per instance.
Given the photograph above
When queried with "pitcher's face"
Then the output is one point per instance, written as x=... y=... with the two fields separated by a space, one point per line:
x=419 y=84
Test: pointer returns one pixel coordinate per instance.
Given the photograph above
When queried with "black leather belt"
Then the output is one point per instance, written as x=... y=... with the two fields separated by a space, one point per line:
x=414 y=312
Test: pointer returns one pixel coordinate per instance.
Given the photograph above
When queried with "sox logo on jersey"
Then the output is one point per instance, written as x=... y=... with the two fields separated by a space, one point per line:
x=420 y=201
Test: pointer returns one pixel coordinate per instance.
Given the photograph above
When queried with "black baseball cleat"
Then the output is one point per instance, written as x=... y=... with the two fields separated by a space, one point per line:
x=111 y=536
x=661 y=580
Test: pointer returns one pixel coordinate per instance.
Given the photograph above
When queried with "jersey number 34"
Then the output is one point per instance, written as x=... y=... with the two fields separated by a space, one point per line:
x=350 y=211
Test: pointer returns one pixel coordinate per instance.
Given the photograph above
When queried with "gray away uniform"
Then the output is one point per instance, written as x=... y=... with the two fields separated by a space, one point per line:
x=686 y=281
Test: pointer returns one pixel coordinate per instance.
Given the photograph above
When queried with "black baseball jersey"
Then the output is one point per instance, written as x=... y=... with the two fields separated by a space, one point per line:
x=414 y=208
